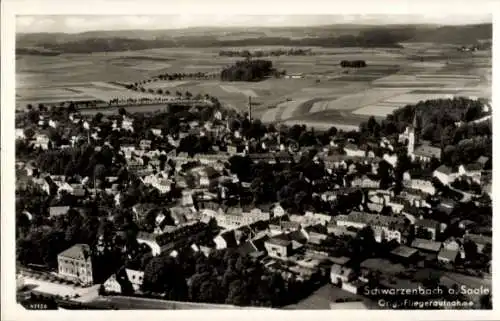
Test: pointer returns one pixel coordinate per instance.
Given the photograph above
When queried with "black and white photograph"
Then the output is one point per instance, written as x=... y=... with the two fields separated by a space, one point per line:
x=257 y=162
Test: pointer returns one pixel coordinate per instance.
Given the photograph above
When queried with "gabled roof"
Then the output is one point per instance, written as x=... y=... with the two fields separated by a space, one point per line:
x=444 y=169
x=77 y=252
x=281 y=240
x=427 y=223
x=58 y=210
x=448 y=254
x=340 y=270
x=229 y=237
x=247 y=248
x=478 y=239
x=428 y=151
x=404 y=251
x=426 y=245
x=482 y=160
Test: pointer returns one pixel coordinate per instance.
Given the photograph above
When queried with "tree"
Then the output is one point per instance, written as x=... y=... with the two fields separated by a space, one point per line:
x=470 y=249
x=29 y=133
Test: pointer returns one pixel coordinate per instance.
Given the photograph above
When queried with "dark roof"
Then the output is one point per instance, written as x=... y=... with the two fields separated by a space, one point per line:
x=448 y=254
x=444 y=169
x=478 y=239
x=259 y=242
x=482 y=160
x=427 y=223
x=247 y=248
x=404 y=251
x=474 y=167
x=426 y=245
x=77 y=252
x=58 y=210
x=281 y=239
x=341 y=260
x=229 y=237
x=428 y=151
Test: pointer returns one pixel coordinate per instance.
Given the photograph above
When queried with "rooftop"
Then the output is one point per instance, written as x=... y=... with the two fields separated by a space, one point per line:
x=428 y=151
x=426 y=245
x=404 y=251
x=77 y=252
x=444 y=169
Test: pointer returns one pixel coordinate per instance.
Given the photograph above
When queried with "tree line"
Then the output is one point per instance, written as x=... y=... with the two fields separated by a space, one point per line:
x=447 y=123
x=266 y=53
x=353 y=63
x=248 y=70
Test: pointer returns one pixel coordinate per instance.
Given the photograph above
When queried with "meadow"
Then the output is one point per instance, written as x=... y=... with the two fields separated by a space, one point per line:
x=326 y=95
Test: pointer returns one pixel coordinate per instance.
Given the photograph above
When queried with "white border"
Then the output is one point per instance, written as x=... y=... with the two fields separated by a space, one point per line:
x=10 y=8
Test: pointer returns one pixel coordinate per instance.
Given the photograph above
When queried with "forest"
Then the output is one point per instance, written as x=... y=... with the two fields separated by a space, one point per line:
x=248 y=70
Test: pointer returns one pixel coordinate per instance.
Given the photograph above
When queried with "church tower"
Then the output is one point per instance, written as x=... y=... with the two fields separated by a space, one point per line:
x=413 y=134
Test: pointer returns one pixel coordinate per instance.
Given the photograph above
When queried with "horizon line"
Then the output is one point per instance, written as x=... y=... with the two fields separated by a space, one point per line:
x=262 y=27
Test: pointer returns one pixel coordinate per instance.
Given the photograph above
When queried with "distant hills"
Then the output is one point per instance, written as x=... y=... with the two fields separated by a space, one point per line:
x=322 y=36
x=461 y=35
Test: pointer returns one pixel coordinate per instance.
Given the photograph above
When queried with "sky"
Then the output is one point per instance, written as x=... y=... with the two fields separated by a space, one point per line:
x=75 y=24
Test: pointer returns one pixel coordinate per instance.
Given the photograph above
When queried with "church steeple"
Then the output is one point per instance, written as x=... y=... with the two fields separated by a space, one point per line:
x=413 y=134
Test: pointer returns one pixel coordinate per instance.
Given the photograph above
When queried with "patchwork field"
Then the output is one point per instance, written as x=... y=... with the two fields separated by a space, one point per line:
x=325 y=95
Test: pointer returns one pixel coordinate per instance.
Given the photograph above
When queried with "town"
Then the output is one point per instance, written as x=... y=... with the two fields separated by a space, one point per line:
x=200 y=206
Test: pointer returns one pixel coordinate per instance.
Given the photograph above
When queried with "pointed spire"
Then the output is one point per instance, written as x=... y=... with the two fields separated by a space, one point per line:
x=416 y=119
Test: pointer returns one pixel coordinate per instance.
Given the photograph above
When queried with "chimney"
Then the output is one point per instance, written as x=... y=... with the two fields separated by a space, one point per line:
x=250 y=108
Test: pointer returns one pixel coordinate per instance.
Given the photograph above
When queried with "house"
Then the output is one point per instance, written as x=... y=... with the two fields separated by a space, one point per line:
x=397 y=204
x=156 y=132
x=145 y=144
x=336 y=230
x=315 y=235
x=446 y=175
x=41 y=141
x=365 y=182
x=447 y=205
x=405 y=254
x=225 y=240
x=426 y=246
x=278 y=246
x=391 y=159
x=55 y=211
x=294 y=76
x=340 y=274
x=75 y=264
x=426 y=152
x=353 y=150
x=473 y=171
x=116 y=282
x=432 y=226
x=150 y=240
x=480 y=240
x=384 y=227
x=482 y=160
x=421 y=184
x=136 y=278
x=448 y=256
x=20 y=133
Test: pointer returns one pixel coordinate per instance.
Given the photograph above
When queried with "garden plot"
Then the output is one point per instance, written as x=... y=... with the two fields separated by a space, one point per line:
x=108 y=94
x=150 y=66
x=235 y=90
x=270 y=115
x=412 y=98
x=357 y=100
x=289 y=108
x=378 y=110
x=168 y=84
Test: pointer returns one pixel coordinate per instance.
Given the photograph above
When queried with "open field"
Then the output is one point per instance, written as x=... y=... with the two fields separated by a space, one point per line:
x=325 y=95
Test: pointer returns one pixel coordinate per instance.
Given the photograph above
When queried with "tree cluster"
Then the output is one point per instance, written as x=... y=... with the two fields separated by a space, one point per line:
x=266 y=53
x=353 y=63
x=248 y=70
